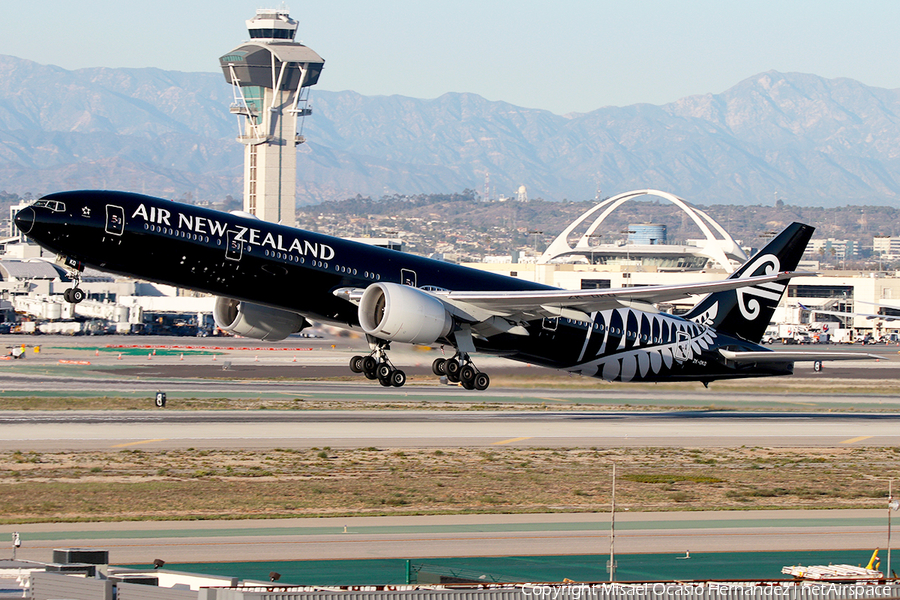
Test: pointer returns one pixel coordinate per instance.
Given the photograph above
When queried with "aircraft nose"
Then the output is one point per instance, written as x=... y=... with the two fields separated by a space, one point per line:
x=25 y=220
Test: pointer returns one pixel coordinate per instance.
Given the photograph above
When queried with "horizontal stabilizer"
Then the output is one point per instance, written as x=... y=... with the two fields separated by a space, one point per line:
x=768 y=356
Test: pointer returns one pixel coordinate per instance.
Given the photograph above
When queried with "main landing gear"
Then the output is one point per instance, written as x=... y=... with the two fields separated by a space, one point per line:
x=460 y=369
x=378 y=366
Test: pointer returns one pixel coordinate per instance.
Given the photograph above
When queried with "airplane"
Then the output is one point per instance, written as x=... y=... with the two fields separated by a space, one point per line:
x=272 y=280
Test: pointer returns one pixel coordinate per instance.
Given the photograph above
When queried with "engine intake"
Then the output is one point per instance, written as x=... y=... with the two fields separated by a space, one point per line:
x=402 y=313
x=256 y=321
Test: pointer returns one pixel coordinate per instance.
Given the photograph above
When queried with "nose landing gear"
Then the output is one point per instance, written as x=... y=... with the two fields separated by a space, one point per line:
x=74 y=295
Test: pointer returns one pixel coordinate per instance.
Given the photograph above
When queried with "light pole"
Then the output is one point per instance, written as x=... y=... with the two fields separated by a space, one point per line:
x=892 y=505
x=612 y=531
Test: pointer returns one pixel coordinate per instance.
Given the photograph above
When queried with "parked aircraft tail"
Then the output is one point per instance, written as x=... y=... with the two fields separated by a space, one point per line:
x=874 y=562
x=745 y=312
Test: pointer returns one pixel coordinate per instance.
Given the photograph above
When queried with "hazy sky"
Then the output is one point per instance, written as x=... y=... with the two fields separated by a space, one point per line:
x=563 y=56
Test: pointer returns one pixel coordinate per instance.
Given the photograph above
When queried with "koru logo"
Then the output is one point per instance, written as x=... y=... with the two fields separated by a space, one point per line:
x=748 y=297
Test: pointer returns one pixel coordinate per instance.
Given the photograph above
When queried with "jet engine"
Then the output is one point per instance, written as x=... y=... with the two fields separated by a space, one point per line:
x=256 y=321
x=402 y=313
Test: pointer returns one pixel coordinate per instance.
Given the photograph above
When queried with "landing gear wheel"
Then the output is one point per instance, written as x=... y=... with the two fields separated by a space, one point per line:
x=451 y=367
x=468 y=385
x=370 y=375
x=467 y=374
x=369 y=364
x=398 y=378
x=356 y=364
x=384 y=371
x=481 y=381
x=438 y=367
x=77 y=295
x=384 y=382
x=67 y=295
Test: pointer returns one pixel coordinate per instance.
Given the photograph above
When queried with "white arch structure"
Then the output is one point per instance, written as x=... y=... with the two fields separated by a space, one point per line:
x=721 y=250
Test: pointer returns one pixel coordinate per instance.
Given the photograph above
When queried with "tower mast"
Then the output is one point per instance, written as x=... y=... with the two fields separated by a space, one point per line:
x=271 y=75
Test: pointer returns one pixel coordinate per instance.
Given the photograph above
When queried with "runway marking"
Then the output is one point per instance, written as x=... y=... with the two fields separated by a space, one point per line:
x=140 y=442
x=553 y=399
x=856 y=439
x=510 y=441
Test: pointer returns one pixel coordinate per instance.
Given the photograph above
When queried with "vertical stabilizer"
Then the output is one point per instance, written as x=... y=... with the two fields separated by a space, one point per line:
x=746 y=312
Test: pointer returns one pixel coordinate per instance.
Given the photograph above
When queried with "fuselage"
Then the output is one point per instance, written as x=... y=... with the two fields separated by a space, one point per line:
x=240 y=257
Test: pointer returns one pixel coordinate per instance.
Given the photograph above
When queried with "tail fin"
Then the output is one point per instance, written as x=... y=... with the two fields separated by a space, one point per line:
x=873 y=562
x=746 y=312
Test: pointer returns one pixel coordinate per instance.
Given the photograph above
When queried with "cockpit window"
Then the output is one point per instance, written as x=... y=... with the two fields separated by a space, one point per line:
x=54 y=205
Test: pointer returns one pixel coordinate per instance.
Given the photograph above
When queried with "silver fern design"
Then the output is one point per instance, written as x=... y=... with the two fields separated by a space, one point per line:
x=629 y=345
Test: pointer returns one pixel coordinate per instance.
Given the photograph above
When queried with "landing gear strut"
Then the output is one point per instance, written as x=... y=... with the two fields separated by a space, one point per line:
x=461 y=369
x=378 y=366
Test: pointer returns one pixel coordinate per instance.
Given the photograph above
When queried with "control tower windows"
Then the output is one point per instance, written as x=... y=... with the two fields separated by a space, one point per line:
x=278 y=34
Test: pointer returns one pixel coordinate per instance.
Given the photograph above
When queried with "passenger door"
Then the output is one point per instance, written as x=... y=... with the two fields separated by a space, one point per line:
x=115 y=219
x=234 y=248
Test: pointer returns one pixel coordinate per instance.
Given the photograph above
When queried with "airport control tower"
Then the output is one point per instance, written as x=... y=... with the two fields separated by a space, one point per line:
x=271 y=75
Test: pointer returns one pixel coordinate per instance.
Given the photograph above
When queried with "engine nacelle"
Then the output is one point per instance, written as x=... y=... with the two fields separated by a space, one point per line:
x=255 y=321
x=402 y=313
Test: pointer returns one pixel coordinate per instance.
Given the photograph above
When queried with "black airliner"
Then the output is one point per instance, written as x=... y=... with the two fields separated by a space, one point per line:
x=272 y=280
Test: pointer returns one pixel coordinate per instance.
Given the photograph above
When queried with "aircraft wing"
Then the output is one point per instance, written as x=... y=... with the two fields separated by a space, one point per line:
x=477 y=306
x=577 y=304
x=781 y=356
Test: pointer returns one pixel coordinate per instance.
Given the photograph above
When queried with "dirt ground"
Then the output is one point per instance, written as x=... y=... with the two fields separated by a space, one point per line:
x=191 y=484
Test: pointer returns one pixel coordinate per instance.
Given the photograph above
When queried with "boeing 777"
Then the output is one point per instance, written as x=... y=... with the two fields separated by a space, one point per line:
x=272 y=280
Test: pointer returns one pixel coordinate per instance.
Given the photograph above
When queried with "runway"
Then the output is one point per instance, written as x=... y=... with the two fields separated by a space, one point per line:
x=164 y=430
x=459 y=535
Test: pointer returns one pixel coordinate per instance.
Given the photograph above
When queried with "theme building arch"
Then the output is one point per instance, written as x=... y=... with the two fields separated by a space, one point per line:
x=720 y=250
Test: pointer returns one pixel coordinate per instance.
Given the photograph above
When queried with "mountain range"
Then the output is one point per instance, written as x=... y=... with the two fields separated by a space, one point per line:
x=809 y=140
